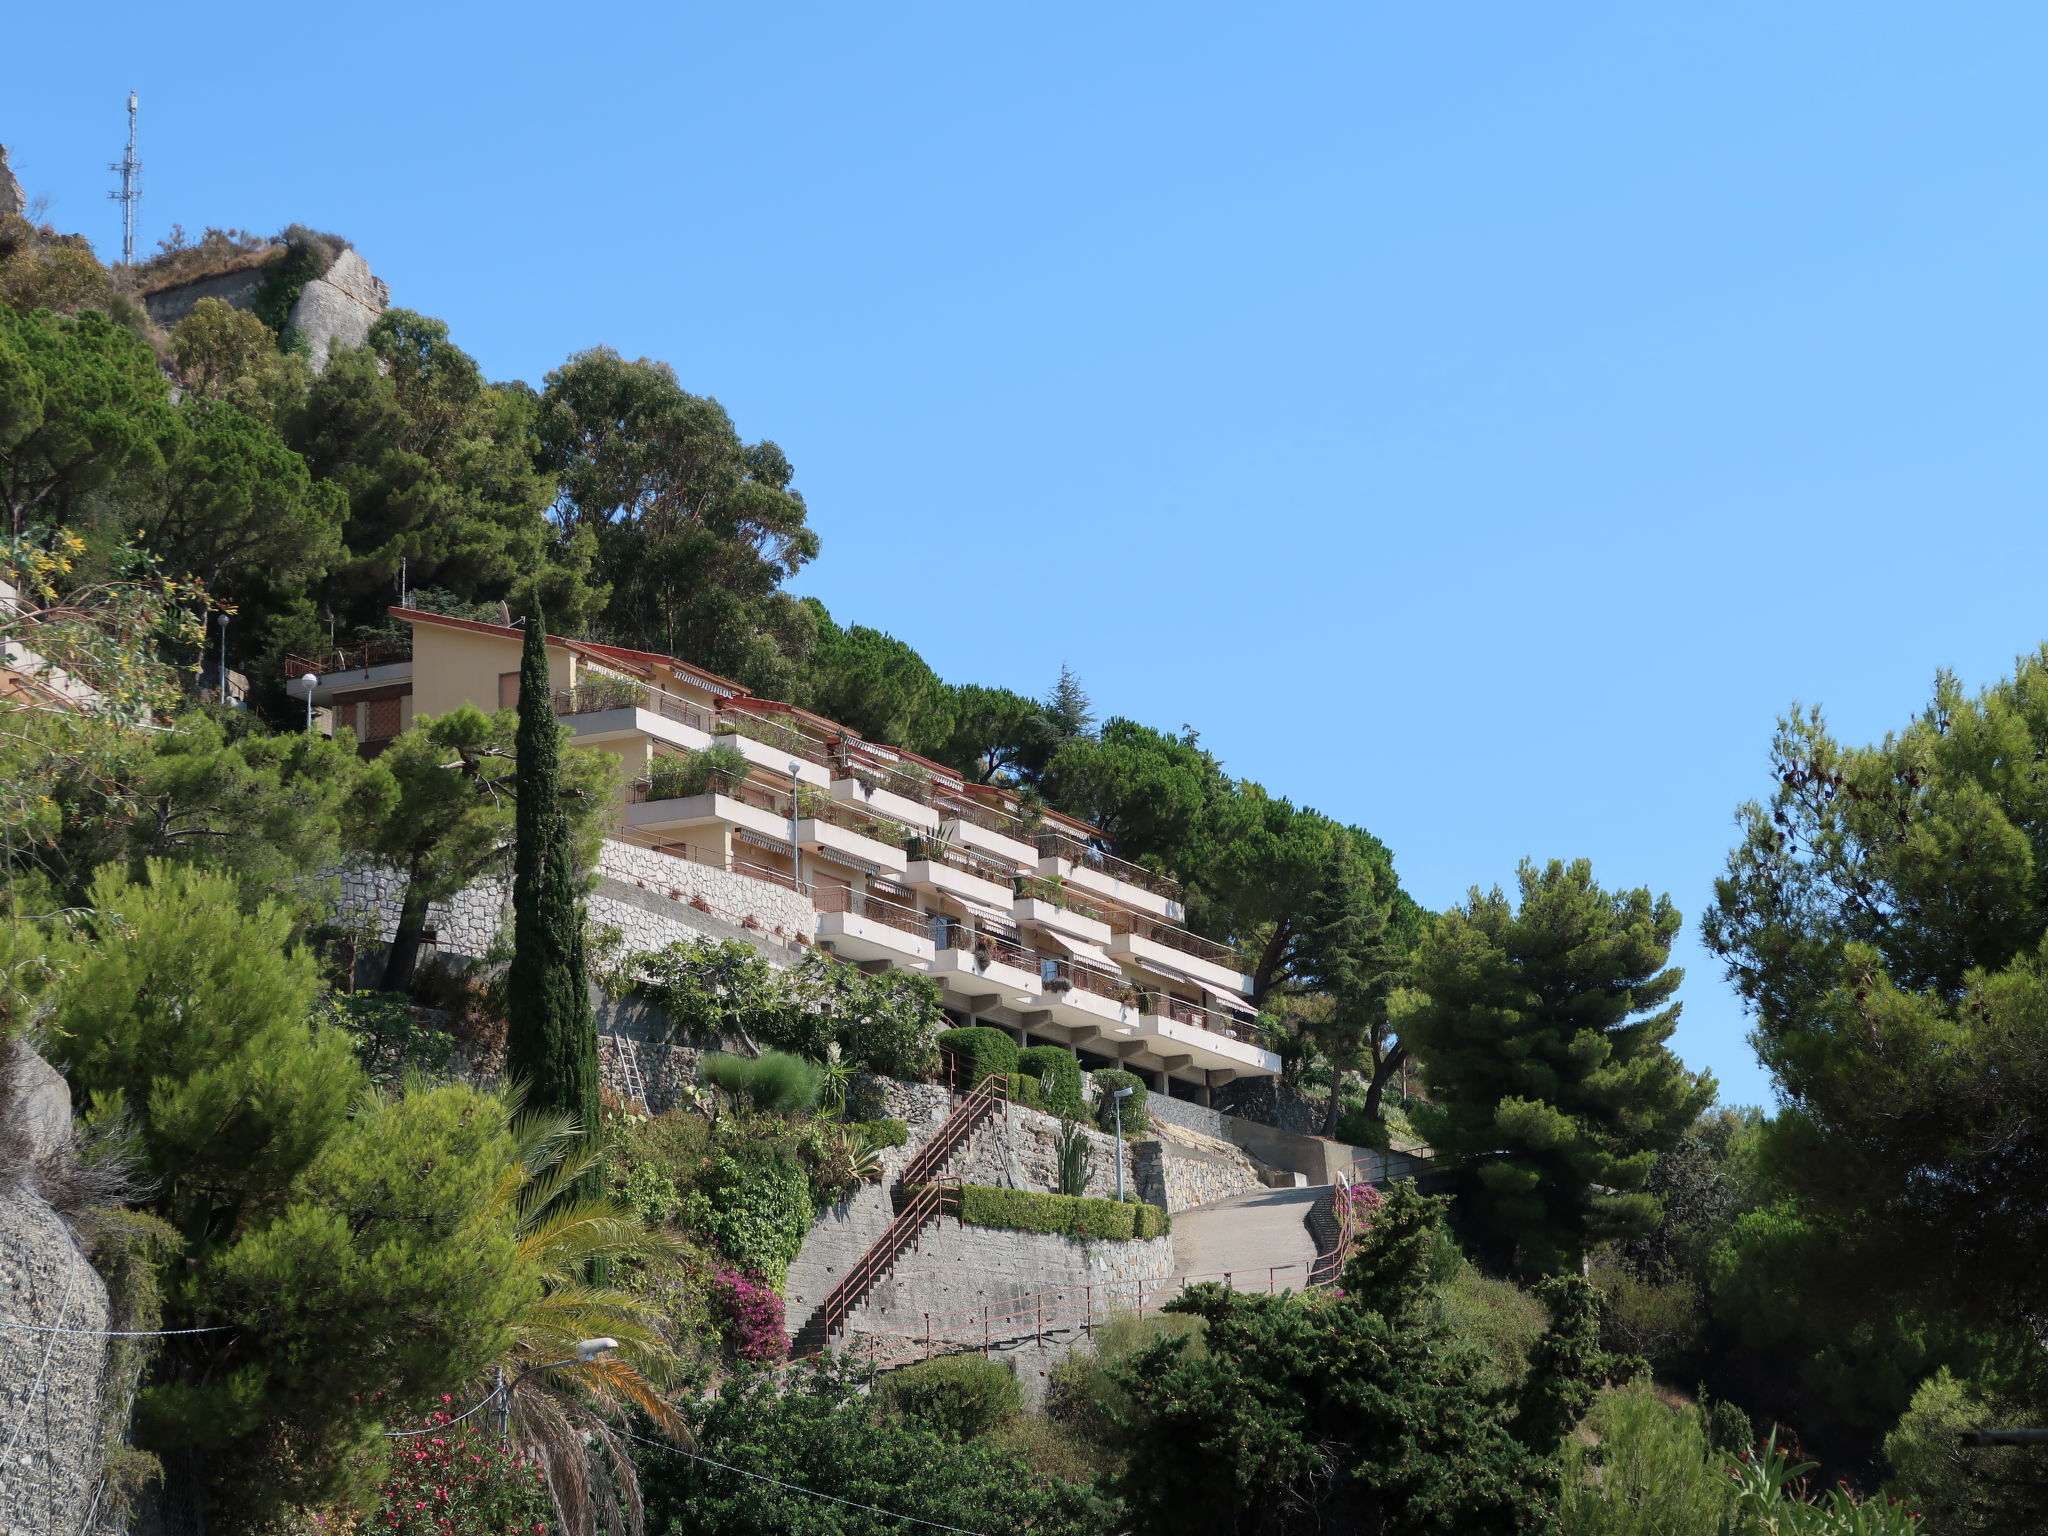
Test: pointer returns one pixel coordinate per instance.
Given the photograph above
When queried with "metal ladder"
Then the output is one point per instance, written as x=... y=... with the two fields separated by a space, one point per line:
x=627 y=1049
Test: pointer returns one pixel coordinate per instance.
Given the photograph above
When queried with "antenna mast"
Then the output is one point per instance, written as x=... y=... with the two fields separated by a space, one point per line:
x=131 y=188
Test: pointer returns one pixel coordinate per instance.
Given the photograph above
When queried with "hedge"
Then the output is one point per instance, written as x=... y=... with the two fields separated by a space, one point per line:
x=881 y=1133
x=956 y=1396
x=1028 y=1210
x=981 y=1051
x=1108 y=1081
x=1055 y=1067
x=1026 y=1090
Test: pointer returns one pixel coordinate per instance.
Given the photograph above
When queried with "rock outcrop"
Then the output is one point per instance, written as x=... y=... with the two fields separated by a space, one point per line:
x=12 y=198
x=339 y=308
x=50 y=1382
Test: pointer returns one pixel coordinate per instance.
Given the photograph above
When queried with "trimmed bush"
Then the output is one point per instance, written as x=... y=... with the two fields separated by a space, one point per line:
x=1136 y=1120
x=1026 y=1090
x=881 y=1133
x=956 y=1396
x=1060 y=1074
x=774 y=1082
x=981 y=1051
x=1027 y=1210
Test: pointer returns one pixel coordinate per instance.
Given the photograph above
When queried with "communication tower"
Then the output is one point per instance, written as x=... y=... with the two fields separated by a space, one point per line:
x=131 y=188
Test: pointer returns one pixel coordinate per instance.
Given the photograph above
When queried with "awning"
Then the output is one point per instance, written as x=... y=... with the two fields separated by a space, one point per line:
x=1234 y=1001
x=1163 y=972
x=1003 y=922
x=1091 y=955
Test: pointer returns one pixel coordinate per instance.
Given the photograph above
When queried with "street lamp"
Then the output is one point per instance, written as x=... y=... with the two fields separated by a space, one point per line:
x=586 y=1352
x=796 y=850
x=223 y=660
x=311 y=683
x=1116 y=1100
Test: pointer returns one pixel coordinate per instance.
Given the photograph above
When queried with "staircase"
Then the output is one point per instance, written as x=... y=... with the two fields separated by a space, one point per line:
x=919 y=1200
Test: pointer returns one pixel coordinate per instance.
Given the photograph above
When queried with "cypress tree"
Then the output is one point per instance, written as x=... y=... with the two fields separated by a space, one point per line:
x=551 y=1034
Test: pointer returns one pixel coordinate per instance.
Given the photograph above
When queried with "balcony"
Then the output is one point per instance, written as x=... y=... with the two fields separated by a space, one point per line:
x=1074 y=863
x=1061 y=919
x=775 y=760
x=381 y=652
x=825 y=834
x=708 y=809
x=1013 y=852
x=886 y=802
x=862 y=926
x=1179 y=950
x=943 y=875
x=984 y=964
x=612 y=707
x=779 y=734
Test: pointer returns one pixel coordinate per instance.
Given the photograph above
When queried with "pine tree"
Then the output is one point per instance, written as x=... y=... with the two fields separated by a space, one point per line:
x=1540 y=1032
x=551 y=1036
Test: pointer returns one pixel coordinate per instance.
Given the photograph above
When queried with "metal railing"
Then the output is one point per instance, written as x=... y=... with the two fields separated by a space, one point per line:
x=1217 y=1021
x=1038 y=888
x=623 y=693
x=1065 y=974
x=986 y=947
x=1061 y=845
x=865 y=904
x=774 y=733
x=1174 y=938
x=988 y=818
x=348 y=658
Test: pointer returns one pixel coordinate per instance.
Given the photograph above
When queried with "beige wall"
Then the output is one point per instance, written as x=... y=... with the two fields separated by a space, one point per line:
x=453 y=667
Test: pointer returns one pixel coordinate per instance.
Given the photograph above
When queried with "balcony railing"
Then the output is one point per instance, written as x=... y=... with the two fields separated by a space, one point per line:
x=1064 y=975
x=774 y=733
x=1040 y=889
x=989 y=946
x=987 y=817
x=1216 y=1021
x=347 y=658
x=866 y=904
x=605 y=693
x=905 y=779
x=1074 y=851
x=1175 y=938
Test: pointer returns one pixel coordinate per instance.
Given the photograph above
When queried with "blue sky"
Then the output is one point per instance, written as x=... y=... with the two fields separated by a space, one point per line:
x=1480 y=422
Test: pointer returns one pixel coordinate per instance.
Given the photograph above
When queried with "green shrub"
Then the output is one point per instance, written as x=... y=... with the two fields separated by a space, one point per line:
x=774 y=1082
x=1358 y=1129
x=686 y=774
x=1026 y=1090
x=1497 y=1316
x=1662 y=1324
x=982 y=1051
x=756 y=1206
x=1650 y=1470
x=1135 y=1118
x=1083 y=1397
x=1074 y=1156
x=1029 y=1210
x=1055 y=1067
x=881 y=1133
x=958 y=1397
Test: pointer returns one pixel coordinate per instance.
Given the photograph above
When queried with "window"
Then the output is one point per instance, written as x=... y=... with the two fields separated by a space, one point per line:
x=508 y=690
x=383 y=722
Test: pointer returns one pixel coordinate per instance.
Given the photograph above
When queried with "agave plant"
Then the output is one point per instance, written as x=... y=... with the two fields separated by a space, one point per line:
x=1075 y=1158
x=1769 y=1502
x=568 y=1415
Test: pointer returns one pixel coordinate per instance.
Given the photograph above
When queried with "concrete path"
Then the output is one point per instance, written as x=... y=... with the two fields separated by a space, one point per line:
x=1247 y=1234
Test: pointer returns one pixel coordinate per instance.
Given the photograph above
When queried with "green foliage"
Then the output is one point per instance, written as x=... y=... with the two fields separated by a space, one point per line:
x=819 y=1431
x=1659 y=1322
x=1027 y=1091
x=1496 y=1317
x=679 y=776
x=1541 y=1035
x=438 y=468
x=550 y=1031
x=1136 y=1118
x=1360 y=1412
x=882 y=1133
x=1056 y=1068
x=308 y=254
x=774 y=1082
x=887 y=1023
x=193 y=1014
x=995 y=736
x=755 y=1203
x=956 y=1397
x=392 y=1041
x=694 y=529
x=1084 y=1398
x=1648 y=1470
x=1966 y=1491
x=41 y=269
x=877 y=686
x=1074 y=1157
x=86 y=409
x=1884 y=919
x=983 y=1052
x=1566 y=1364
x=1028 y=1210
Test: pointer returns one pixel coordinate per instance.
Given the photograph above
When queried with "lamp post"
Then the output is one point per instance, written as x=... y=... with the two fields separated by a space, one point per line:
x=223 y=679
x=796 y=850
x=1116 y=1100
x=586 y=1352
x=311 y=683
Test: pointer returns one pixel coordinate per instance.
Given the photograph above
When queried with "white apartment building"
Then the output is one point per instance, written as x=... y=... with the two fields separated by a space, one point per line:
x=1029 y=927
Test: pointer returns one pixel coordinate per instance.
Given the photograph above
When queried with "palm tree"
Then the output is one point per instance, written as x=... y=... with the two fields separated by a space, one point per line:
x=568 y=1416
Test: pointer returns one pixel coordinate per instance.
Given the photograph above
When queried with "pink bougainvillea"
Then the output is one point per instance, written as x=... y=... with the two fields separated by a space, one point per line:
x=461 y=1481
x=753 y=1316
x=1366 y=1200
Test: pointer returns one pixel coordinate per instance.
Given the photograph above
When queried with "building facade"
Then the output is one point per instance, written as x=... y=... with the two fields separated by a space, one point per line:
x=898 y=861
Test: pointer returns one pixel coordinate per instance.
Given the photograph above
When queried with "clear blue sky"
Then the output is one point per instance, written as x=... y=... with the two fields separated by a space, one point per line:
x=1480 y=422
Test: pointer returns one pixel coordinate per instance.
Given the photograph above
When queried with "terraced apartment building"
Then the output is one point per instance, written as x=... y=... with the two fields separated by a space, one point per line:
x=897 y=860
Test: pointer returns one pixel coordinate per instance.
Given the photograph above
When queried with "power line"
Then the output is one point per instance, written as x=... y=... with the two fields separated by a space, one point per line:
x=873 y=1509
x=28 y=1403
x=119 y=1333
x=401 y=1434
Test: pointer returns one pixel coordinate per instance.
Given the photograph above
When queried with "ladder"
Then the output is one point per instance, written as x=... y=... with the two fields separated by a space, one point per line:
x=627 y=1049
